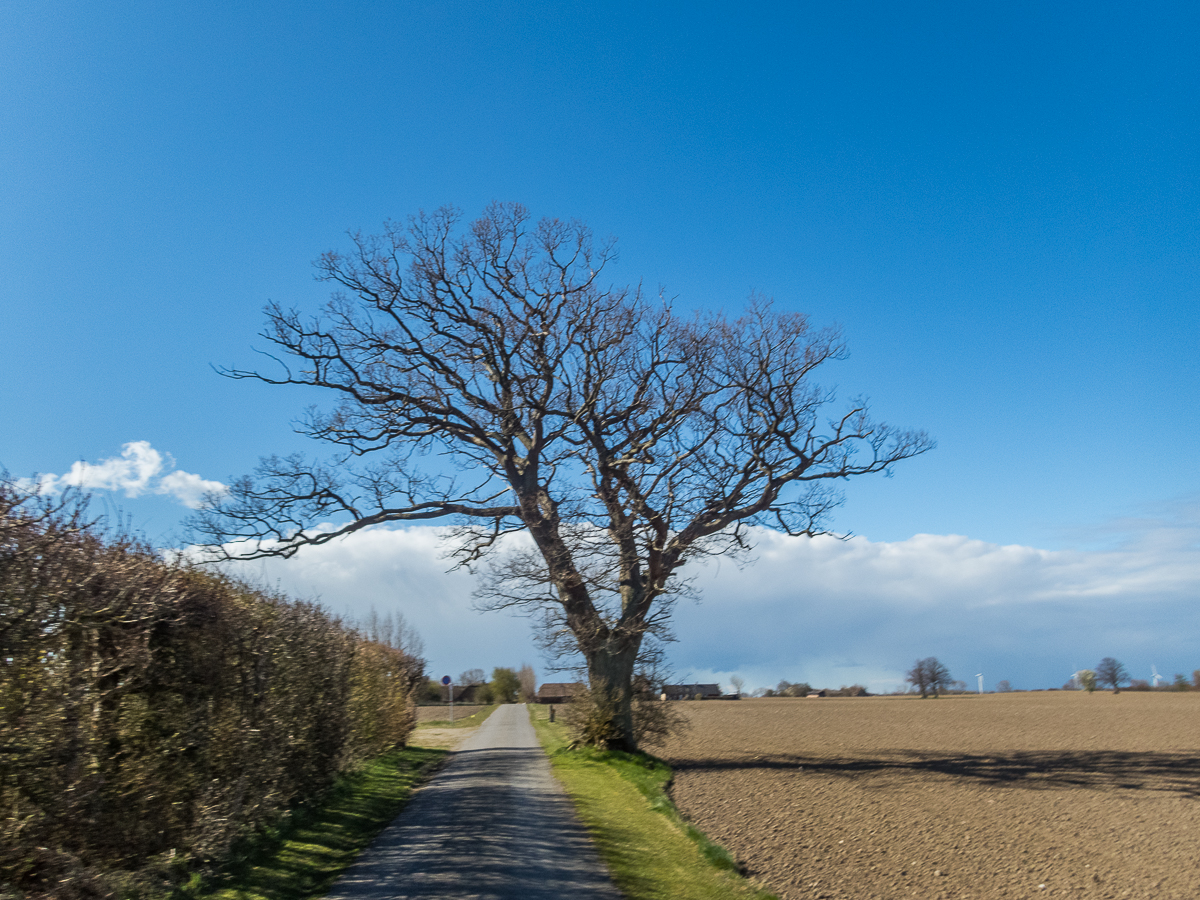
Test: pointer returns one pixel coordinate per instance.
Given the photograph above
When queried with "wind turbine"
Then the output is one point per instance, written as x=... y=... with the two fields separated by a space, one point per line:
x=980 y=677
x=1156 y=678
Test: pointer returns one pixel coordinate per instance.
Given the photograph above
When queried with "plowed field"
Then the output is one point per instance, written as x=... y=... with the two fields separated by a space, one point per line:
x=1047 y=794
x=442 y=713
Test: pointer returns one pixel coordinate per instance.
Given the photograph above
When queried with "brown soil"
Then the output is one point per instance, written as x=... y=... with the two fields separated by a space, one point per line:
x=442 y=713
x=1047 y=794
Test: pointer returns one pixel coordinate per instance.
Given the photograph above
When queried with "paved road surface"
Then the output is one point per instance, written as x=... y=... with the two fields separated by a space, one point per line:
x=492 y=824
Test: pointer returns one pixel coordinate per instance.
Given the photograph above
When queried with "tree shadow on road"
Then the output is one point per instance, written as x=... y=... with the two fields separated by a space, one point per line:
x=1040 y=770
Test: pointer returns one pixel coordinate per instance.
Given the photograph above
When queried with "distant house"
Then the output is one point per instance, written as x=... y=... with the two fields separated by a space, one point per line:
x=691 y=692
x=466 y=693
x=817 y=694
x=559 y=691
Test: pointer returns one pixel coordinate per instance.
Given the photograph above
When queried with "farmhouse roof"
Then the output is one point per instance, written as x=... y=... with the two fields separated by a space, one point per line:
x=557 y=691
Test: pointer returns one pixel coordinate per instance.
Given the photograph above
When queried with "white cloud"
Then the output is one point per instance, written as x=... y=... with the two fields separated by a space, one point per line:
x=402 y=570
x=187 y=488
x=828 y=611
x=836 y=612
x=136 y=471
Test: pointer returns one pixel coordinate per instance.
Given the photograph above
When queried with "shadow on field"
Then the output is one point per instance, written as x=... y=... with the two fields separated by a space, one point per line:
x=1040 y=770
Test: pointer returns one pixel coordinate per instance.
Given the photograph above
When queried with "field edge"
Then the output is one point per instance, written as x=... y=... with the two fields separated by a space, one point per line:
x=651 y=850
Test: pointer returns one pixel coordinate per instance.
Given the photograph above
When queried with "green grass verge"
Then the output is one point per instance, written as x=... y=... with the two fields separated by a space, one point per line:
x=652 y=853
x=304 y=855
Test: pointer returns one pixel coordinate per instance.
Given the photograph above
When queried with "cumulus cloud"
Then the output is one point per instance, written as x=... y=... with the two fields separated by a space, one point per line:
x=188 y=489
x=402 y=570
x=825 y=610
x=137 y=471
x=839 y=612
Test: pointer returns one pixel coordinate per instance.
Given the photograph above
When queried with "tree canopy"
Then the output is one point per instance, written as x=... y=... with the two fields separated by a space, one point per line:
x=929 y=676
x=488 y=378
x=1111 y=672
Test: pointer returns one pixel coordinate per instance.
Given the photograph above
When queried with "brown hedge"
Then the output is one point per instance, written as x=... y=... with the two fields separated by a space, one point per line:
x=151 y=712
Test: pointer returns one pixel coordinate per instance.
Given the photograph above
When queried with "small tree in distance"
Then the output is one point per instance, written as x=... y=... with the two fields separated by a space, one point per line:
x=1086 y=679
x=1110 y=672
x=528 y=683
x=787 y=689
x=928 y=676
x=471 y=676
x=505 y=685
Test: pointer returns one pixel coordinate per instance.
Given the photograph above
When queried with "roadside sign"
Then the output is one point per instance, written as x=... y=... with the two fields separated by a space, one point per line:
x=449 y=695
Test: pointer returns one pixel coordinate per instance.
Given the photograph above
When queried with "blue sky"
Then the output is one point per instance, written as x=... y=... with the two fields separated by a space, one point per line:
x=1000 y=204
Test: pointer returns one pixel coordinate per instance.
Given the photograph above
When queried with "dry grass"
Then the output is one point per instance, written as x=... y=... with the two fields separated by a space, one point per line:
x=435 y=732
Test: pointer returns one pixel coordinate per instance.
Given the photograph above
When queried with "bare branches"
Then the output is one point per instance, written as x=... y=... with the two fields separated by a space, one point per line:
x=623 y=439
x=271 y=514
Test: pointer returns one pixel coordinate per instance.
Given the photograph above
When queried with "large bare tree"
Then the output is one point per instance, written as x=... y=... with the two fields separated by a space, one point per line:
x=488 y=378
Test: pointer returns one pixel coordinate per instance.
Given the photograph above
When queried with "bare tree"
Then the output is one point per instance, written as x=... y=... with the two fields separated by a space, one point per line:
x=472 y=676
x=528 y=681
x=929 y=676
x=392 y=630
x=494 y=382
x=1110 y=672
x=738 y=683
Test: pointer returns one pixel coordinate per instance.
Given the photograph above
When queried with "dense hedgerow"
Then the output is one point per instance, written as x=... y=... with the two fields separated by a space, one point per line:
x=151 y=712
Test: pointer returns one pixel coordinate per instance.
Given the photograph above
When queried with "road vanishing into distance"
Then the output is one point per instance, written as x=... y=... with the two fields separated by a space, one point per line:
x=494 y=824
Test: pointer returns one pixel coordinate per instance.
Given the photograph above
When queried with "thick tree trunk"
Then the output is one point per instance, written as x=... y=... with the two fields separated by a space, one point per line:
x=610 y=674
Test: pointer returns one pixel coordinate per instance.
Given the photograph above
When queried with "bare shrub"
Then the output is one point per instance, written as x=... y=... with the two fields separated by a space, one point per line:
x=656 y=720
x=589 y=719
x=528 y=683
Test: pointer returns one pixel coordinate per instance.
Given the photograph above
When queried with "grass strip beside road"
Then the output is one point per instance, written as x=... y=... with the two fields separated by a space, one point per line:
x=302 y=857
x=461 y=721
x=651 y=851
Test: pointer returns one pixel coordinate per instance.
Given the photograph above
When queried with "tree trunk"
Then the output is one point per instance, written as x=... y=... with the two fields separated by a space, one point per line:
x=610 y=675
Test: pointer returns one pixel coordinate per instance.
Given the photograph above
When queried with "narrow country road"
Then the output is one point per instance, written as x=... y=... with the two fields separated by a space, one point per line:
x=494 y=824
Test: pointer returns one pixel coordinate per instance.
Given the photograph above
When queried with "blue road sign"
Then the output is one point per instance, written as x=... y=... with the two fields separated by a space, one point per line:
x=445 y=679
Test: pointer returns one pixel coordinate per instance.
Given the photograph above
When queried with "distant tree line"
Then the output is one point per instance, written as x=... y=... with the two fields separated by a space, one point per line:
x=505 y=686
x=803 y=689
x=151 y=712
x=789 y=689
x=929 y=677
x=1111 y=673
